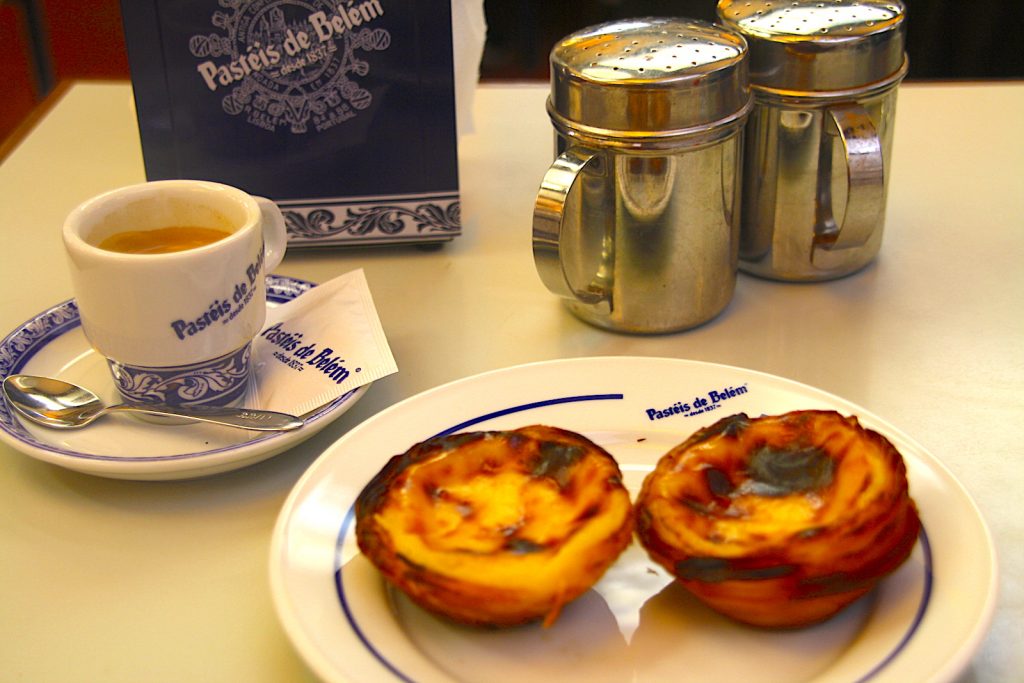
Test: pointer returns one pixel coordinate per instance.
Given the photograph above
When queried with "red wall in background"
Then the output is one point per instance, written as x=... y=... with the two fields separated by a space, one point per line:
x=945 y=39
x=16 y=84
x=86 y=38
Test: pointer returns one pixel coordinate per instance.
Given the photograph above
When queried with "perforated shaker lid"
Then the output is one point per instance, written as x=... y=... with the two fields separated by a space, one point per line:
x=648 y=77
x=819 y=45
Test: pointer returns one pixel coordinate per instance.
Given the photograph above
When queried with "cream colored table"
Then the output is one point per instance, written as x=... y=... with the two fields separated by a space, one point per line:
x=104 y=580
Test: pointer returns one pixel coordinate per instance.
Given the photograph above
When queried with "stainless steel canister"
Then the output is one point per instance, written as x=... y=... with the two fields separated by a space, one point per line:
x=636 y=223
x=824 y=75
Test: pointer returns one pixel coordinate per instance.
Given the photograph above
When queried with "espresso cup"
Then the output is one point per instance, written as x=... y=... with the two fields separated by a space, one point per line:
x=169 y=279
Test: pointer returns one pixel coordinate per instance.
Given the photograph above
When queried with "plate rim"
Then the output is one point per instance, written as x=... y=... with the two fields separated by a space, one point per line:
x=951 y=666
x=16 y=352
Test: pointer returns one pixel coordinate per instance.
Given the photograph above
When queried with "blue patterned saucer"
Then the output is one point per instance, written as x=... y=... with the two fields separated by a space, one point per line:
x=52 y=343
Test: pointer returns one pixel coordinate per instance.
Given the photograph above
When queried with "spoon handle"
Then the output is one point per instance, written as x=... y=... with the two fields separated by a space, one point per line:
x=244 y=418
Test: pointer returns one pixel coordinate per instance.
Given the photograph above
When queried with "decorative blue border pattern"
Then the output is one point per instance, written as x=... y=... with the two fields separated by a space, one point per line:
x=281 y=288
x=386 y=220
x=19 y=346
x=350 y=516
x=217 y=382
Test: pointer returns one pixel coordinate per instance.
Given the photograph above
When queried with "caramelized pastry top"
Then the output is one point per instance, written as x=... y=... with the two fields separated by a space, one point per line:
x=742 y=486
x=535 y=509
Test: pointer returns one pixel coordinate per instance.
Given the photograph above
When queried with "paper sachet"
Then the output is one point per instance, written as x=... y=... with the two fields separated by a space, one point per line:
x=319 y=346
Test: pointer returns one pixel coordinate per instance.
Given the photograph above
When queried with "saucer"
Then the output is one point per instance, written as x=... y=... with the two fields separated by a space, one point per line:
x=53 y=344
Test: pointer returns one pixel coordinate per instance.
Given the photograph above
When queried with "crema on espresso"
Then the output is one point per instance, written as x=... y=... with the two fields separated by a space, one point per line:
x=162 y=240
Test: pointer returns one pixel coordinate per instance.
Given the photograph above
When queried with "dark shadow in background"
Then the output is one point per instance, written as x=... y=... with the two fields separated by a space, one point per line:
x=946 y=39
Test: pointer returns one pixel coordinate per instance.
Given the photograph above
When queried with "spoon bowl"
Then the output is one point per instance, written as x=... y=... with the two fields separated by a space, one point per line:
x=55 y=403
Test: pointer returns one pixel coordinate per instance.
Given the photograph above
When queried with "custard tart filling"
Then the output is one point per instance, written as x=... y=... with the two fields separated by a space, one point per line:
x=499 y=527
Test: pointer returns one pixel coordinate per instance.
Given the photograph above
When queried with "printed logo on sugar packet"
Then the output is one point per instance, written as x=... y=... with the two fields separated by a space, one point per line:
x=289 y=64
x=223 y=310
x=299 y=355
x=704 y=403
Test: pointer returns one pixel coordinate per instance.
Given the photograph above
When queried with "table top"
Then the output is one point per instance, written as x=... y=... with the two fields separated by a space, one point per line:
x=122 y=581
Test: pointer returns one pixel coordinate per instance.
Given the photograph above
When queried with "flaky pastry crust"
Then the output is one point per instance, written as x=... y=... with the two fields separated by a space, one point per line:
x=779 y=521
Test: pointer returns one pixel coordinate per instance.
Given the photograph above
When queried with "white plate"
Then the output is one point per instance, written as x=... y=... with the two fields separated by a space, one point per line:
x=635 y=625
x=52 y=344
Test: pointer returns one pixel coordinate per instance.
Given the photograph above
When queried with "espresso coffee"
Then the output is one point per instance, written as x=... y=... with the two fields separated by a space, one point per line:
x=162 y=240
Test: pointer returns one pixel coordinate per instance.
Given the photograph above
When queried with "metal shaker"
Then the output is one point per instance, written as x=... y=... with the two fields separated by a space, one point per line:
x=824 y=75
x=636 y=223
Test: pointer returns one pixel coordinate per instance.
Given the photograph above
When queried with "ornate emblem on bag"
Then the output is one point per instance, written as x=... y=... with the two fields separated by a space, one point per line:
x=286 y=64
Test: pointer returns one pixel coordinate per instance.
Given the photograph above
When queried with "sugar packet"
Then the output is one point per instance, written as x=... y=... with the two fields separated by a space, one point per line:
x=319 y=346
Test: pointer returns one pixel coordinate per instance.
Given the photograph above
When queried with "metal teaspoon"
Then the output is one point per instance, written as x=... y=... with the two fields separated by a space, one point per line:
x=56 y=403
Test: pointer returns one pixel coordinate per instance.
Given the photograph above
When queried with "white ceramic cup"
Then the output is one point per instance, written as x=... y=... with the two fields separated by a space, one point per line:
x=175 y=327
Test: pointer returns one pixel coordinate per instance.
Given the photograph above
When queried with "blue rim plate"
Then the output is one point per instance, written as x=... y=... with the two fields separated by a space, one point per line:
x=52 y=343
x=635 y=624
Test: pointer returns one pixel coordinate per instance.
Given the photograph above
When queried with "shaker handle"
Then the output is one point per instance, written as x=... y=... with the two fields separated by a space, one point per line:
x=549 y=223
x=865 y=181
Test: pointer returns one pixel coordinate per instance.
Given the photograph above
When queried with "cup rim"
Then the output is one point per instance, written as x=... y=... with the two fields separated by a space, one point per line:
x=74 y=240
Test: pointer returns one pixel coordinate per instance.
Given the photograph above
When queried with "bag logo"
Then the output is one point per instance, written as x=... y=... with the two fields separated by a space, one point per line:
x=290 y=65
